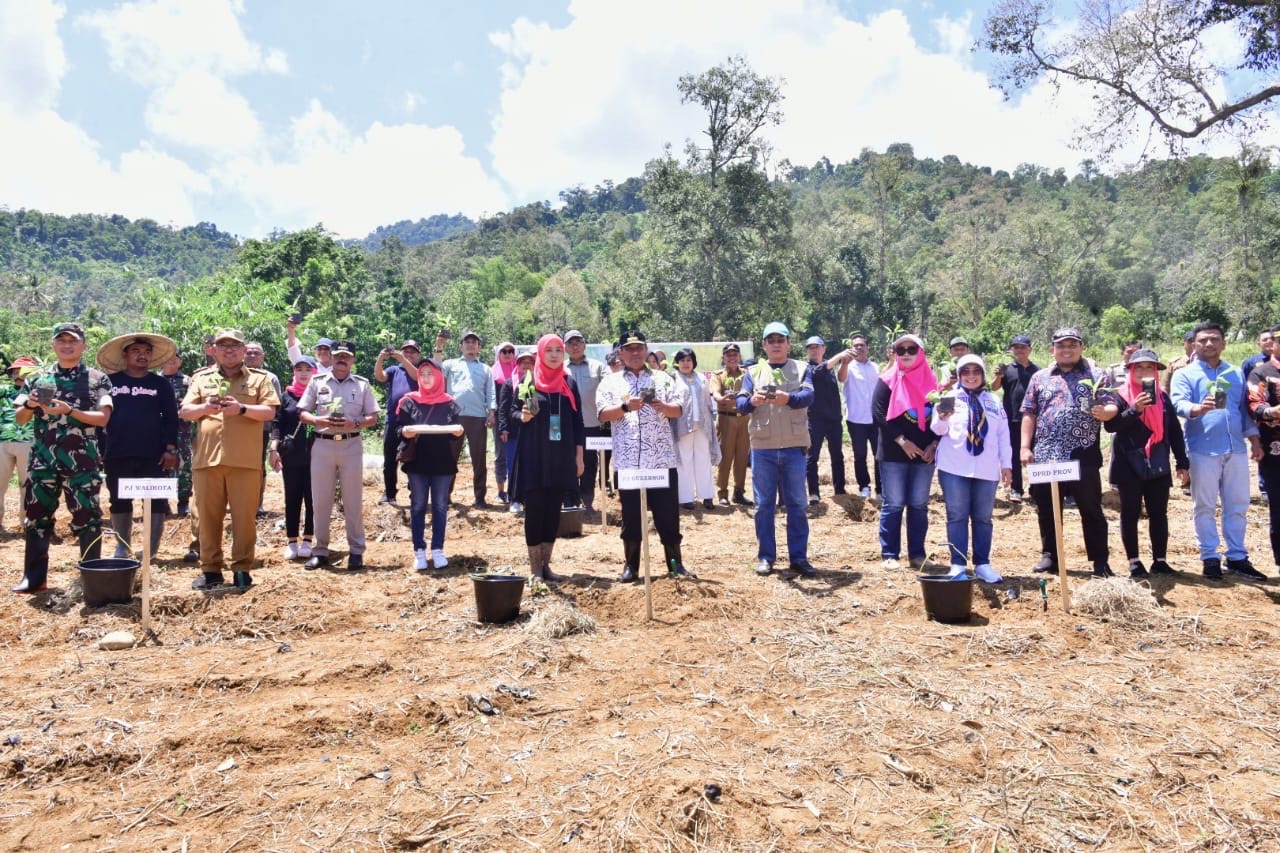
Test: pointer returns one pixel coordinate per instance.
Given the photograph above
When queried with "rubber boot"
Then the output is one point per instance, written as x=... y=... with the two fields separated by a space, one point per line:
x=631 y=556
x=157 y=532
x=90 y=543
x=535 y=561
x=122 y=524
x=547 y=574
x=35 y=562
x=675 y=566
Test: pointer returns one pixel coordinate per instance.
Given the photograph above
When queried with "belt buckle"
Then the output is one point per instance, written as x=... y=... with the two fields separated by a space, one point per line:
x=339 y=437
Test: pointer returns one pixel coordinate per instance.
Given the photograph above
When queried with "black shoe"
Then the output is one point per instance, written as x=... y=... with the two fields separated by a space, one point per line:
x=1069 y=502
x=741 y=499
x=1137 y=570
x=183 y=510
x=316 y=561
x=387 y=499
x=804 y=569
x=1047 y=565
x=1245 y=569
x=1160 y=567
x=687 y=507
x=262 y=513
x=1213 y=569
x=628 y=575
x=208 y=581
x=707 y=504
x=192 y=556
x=764 y=568
x=724 y=502
x=1102 y=570
x=242 y=580
x=481 y=504
x=676 y=569
x=355 y=562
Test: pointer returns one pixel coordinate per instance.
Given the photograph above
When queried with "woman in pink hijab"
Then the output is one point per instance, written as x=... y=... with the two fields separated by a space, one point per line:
x=504 y=365
x=549 y=454
x=899 y=406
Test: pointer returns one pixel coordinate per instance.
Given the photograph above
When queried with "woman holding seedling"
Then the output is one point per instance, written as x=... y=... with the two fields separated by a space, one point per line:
x=549 y=454
x=429 y=421
x=695 y=434
x=1146 y=429
x=906 y=450
x=511 y=398
x=974 y=454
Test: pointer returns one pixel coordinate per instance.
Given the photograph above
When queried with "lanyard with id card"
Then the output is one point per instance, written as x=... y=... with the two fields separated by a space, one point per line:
x=554 y=432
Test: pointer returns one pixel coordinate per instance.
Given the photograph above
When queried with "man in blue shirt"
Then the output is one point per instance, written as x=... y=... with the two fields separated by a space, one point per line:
x=1216 y=445
x=400 y=379
x=470 y=382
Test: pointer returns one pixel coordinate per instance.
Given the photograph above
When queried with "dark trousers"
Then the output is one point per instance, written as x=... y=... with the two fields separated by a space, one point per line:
x=1088 y=494
x=297 y=495
x=1269 y=468
x=833 y=434
x=542 y=515
x=1155 y=494
x=132 y=466
x=664 y=506
x=1015 y=442
x=476 y=437
x=585 y=494
x=390 y=442
x=864 y=436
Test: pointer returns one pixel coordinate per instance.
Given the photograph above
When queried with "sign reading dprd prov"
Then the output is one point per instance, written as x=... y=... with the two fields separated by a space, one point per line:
x=1053 y=472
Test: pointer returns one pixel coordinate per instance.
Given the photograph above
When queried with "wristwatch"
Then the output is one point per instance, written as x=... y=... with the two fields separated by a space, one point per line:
x=242 y=408
x=902 y=440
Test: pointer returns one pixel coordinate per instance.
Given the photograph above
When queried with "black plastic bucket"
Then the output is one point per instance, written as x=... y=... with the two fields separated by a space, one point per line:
x=498 y=597
x=108 y=581
x=570 y=522
x=947 y=599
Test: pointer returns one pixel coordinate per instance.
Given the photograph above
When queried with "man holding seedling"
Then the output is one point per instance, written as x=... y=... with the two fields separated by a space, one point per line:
x=69 y=403
x=228 y=401
x=338 y=406
x=1062 y=414
x=1212 y=396
x=775 y=393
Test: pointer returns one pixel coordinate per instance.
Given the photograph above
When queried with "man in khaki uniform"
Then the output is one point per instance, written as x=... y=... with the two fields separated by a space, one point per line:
x=229 y=401
x=731 y=425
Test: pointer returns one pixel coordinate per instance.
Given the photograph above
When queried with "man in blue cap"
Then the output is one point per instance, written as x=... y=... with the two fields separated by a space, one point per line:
x=826 y=421
x=775 y=393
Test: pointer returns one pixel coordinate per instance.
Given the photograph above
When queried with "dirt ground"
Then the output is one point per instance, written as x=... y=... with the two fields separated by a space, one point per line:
x=334 y=711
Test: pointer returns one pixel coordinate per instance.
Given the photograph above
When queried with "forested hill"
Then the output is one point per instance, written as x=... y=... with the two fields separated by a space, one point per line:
x=417 y=233
x=881 y=241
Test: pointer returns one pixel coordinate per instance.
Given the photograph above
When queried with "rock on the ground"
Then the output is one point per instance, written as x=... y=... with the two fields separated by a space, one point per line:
x=117 y=640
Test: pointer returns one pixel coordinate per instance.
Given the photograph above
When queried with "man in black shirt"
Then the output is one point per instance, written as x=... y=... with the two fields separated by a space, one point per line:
x=1013 y=378
x=142 y=435
x=826 y=419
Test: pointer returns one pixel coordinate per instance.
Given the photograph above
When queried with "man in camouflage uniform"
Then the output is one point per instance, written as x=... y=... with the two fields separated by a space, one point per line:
x=64 y=453
x=15 y=441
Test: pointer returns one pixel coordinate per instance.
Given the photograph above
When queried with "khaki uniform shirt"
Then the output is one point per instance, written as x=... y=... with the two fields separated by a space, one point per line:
x=728 y=386
x=231 y=440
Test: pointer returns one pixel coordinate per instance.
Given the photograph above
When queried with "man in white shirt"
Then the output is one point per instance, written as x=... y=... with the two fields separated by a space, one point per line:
x=859 y=377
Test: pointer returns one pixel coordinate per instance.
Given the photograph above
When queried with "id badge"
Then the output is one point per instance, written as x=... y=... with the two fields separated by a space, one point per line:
x=555 y=428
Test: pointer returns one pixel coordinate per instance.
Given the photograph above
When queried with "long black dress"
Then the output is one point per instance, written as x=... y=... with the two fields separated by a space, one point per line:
x=545 y=469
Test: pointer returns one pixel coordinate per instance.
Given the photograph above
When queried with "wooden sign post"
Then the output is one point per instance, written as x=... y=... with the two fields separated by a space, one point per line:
x=644 y=479
x=147 y=489
x=600 y=444
x=1054 y=473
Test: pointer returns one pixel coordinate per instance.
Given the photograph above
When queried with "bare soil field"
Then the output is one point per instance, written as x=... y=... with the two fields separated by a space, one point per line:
x=327 y=710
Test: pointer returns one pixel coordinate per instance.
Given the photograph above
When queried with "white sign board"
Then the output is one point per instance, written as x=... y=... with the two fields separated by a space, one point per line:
x=599 y=442
x=643 y=478
x=154 y=488
x=1053 y=472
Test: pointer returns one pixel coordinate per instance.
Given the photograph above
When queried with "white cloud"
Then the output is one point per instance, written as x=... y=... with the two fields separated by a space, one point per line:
x=199 y=111
x=32 y=60
x=580 y=103
x=355 y=182
x=155 y=41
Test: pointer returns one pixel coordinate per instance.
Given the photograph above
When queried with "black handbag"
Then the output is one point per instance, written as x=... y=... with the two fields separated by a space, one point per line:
x=406 y=450
x=1152 y=468
x=288 y=444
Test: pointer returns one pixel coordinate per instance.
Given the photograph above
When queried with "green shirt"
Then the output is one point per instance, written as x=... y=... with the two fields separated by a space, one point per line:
x=10 y=429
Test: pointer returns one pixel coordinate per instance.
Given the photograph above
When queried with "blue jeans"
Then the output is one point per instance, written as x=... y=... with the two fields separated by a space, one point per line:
x=968 y=500
x=1224 y=477
x=771 y=469
x=421 y=488
x=906 y=486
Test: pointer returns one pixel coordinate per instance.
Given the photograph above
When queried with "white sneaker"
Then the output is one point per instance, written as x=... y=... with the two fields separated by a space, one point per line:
x=291 y=551
x=890 y=563
x=438 y=559
x=304 y=550
x=420 y=561
x=865 y=491
x=516 y=508
x=987 y=574
x=958 y=572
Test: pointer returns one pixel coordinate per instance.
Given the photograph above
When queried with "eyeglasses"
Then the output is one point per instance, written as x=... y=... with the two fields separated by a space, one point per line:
x=507 y=351
x=906 y=349
x=232 y=345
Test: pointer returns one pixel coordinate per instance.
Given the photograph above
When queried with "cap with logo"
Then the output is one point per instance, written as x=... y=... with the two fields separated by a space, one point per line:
x=73 y=329
x=1068 y=333
x=228 y=335
x=731 y=346
x=344 y=347
x=411 y=344
x=1020 y=341
x=631 y=336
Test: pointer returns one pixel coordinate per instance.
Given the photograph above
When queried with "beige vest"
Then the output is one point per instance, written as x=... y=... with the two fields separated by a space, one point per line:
x=776 y=427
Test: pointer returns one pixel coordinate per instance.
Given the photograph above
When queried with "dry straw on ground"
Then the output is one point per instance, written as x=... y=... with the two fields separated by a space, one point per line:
x=559 y=619
x=1119 y=602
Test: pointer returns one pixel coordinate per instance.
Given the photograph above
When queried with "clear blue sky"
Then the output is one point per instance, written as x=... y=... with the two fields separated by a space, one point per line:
x=258 y=115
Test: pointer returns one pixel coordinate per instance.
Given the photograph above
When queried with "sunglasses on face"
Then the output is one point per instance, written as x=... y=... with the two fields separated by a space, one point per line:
x=906 y=349
x=971 y=371
x=507 y=351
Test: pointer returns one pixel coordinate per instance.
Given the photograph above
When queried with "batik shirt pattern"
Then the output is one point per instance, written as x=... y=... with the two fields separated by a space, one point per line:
x=1065 y=430
x=641 y=439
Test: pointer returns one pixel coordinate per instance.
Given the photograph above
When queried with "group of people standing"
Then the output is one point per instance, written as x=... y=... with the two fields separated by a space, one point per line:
x=66 y=426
